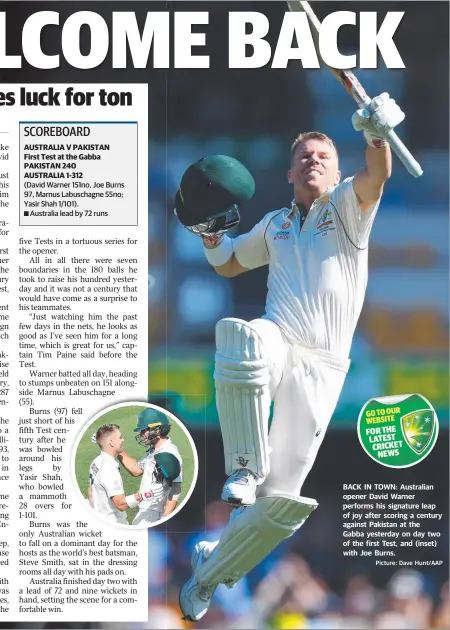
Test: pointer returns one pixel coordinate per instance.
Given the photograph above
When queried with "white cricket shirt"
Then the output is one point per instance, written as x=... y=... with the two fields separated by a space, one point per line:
x=147 y=463
x=317 y=276
x=106 y=482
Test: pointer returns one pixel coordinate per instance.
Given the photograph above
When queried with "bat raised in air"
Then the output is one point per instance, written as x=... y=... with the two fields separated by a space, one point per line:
x=356 y=90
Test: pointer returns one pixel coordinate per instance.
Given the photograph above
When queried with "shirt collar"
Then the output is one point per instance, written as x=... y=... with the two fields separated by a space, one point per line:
x=325 y=196
x=108 y=456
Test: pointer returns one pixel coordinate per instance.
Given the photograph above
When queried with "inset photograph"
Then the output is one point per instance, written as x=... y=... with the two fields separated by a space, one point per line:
x=135 y=465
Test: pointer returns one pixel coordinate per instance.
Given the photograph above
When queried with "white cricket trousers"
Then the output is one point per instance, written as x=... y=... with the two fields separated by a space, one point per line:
x=147 y=517
x=305 y=386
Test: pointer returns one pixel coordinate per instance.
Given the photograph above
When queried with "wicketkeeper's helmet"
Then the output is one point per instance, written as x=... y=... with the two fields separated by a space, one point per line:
x=152 y=425
x=167 y=468
x=210 y=194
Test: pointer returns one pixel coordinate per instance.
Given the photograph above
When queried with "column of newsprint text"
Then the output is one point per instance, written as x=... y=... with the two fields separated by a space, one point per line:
x=73 y=308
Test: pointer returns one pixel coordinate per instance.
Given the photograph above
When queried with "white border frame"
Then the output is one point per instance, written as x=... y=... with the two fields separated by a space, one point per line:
x=144 y=405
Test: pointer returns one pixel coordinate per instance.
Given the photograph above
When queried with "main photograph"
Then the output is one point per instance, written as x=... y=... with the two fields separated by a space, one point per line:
x=304 y=272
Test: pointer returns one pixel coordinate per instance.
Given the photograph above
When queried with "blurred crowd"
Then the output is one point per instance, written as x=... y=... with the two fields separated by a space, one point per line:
x=292 y=596
x=285 y=592
x=300 y=599
x=288 y=591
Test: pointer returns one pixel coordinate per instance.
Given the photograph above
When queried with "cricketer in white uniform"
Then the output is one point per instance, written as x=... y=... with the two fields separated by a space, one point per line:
x=151 y=511
x=296 y=354
x=106 y=492
x=160 y=468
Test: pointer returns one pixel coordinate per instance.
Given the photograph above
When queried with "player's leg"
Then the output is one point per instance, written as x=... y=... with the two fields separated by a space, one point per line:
x=248 y=366
x=146 y=517
x=195 y=598
x=303 y=407
x=251 y=534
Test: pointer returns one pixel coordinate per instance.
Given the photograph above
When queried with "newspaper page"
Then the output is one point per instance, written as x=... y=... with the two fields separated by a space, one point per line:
x=74 y=331
x=224 y=369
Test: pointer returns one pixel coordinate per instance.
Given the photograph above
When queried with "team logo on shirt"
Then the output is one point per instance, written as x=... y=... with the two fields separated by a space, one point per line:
x=148 y=494
x=284 y=234
x=325 y=222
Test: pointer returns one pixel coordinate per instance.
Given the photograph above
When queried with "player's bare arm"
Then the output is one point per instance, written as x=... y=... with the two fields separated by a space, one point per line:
x=369 y=183
x=384 y=115
x=172 y=499
x=130 y=464
x=124 y=503
x=169 y=507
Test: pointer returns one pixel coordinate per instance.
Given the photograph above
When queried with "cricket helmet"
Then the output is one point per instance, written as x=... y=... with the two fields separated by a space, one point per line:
x=152 y=425
x=210 y=194
x=167 y=468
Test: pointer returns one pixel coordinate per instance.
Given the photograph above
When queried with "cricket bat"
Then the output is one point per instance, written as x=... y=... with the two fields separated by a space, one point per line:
x=356 y=90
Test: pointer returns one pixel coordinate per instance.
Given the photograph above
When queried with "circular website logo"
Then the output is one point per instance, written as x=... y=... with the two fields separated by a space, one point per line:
x=398 y=431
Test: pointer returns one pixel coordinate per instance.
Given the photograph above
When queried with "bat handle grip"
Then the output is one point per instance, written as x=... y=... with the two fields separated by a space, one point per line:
x=412 y=166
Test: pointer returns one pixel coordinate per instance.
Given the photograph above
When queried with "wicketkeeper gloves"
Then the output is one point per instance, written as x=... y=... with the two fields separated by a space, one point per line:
x=382 y=115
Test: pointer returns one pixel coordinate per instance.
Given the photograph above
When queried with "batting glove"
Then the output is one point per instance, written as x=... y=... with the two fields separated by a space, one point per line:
x=382 y=115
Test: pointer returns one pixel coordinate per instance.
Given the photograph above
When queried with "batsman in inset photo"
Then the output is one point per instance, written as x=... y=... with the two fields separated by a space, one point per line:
x=296 y=354
x=160 y=468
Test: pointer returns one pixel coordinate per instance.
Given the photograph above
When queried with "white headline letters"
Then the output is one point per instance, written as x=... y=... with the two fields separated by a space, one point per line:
x=248 y=47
